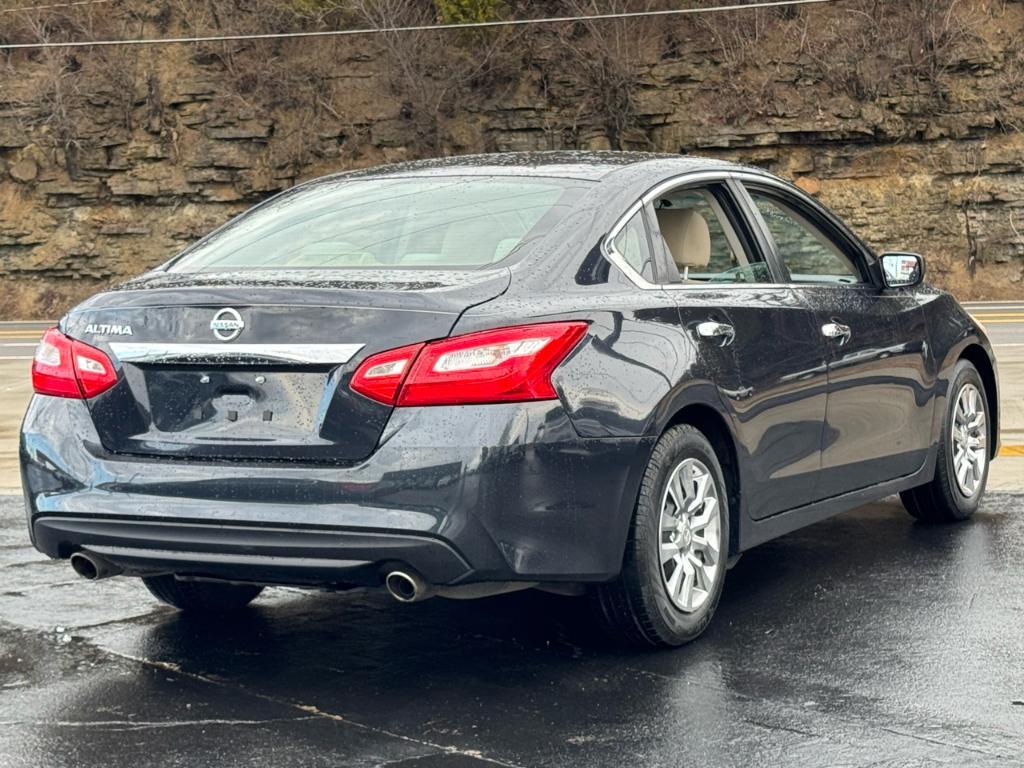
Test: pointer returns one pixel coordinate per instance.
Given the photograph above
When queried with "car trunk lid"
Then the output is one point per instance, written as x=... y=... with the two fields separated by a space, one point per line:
x=258 y=367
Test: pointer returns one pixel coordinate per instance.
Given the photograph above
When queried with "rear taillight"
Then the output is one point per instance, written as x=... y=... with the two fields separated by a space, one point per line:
x=64 y=367
x=502 y=365
x=381 y=375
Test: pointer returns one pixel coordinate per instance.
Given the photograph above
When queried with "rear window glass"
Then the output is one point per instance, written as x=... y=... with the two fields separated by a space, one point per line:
x=406 y=223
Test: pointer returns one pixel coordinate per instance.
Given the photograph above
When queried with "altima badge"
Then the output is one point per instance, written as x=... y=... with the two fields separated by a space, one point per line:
x=108 y=329
x=227 y=324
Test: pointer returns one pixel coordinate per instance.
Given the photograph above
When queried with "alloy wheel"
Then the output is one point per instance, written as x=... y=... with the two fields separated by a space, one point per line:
x=691 y=535
x=969 y=440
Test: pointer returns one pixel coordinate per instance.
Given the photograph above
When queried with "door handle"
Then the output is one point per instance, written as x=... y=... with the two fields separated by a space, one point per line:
x=713 y=330
x=837 y=331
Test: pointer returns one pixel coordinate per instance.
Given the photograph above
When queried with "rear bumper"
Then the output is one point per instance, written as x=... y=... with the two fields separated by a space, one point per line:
x=461 y=494
x=321 y=557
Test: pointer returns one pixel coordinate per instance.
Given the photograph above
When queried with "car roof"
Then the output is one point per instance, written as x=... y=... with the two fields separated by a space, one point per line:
x=581 y=165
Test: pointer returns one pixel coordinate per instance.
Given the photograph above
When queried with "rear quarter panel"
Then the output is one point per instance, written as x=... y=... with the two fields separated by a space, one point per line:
x=634 y=360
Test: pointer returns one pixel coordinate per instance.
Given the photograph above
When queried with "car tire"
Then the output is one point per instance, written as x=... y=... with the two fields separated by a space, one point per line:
x=944 y=499
x=637 y=607
x=201 y=596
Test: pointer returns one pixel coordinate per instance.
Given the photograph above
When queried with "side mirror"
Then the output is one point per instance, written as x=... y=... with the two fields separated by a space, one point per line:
x=902 y=270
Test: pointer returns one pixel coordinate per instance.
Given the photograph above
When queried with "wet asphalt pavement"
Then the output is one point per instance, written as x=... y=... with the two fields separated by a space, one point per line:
x=865 y=640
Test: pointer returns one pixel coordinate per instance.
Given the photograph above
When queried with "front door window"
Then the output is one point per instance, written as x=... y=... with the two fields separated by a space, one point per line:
x=808 y=254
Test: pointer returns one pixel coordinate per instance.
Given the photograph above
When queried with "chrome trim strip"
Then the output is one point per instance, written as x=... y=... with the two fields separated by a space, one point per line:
x=233 y=354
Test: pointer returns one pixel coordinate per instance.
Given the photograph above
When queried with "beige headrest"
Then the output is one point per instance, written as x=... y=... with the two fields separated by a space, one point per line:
x=686 y=235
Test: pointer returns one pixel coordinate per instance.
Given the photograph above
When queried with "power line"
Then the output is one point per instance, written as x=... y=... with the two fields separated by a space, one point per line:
x=28 y=8
x=417 y=28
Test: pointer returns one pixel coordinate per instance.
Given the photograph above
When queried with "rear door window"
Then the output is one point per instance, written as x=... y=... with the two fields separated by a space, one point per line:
x=704 y=246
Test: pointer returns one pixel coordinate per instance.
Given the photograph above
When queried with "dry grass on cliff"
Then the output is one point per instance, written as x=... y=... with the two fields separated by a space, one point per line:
x=876 y=47
x=606 y=64
x=431 y=73
x=864 y=50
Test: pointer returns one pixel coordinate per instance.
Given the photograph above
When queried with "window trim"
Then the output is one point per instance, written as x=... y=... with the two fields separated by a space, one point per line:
x=729 y=180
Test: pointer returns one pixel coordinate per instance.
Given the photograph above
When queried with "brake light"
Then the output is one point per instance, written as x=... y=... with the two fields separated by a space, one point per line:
x=64 y=367
x=502 y=365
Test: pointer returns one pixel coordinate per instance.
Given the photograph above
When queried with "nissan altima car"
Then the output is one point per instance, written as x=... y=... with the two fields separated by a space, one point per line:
x=604 y=375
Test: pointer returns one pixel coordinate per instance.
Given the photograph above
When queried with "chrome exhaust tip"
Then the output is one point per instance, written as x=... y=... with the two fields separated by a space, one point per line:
x=93 y=567
x=406 y=587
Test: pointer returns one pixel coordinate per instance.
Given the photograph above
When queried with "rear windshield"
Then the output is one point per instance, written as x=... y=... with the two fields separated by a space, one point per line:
x=407 y=223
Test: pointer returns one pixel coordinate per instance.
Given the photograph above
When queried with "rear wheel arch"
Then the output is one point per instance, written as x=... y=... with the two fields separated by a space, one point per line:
x=714 y=427
x=646 y=604
x=976 y=355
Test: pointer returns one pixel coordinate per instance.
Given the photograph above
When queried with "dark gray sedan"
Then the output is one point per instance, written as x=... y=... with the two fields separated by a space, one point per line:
x=596 y=374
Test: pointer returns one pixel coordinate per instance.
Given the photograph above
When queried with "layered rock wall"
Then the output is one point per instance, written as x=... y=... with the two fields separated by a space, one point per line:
x=108 y=167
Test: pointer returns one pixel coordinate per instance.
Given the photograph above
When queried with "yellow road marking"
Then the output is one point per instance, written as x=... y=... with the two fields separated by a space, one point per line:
x=996 y=315
x=1011 y=450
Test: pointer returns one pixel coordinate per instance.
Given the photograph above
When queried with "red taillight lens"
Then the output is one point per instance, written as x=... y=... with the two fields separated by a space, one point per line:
x=94 y=370
x=503 y=365
x=52 y=370
x=64 y=367
x=380 y=376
